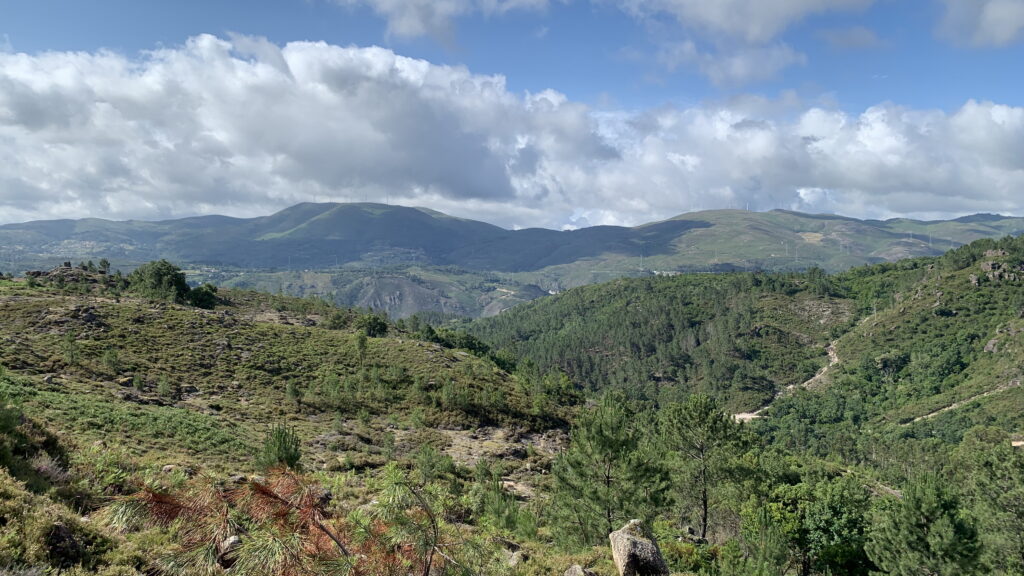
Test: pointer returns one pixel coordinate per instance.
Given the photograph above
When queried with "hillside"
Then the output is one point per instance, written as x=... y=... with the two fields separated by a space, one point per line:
x=426 y=260
x=940 y=354
x=918 y=349
x=740 y=337
x=197 y=386
x=130 y=428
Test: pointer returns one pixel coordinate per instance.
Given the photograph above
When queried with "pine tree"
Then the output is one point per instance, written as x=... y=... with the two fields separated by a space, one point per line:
x=925 y=533
x=993 y=480
x=609 y=474
x=702 y=435
x=281 y=448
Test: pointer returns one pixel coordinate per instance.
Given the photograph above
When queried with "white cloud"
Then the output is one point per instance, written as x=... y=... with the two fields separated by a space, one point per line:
x=735 y=67
x=983 y=22
x=244 y=127
x=754 y=21
x=852 y=38
x=733 y=42
x=414 y=18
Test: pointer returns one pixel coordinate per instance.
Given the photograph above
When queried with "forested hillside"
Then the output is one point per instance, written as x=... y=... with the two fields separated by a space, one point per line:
x=741 y=337
x=917 y=335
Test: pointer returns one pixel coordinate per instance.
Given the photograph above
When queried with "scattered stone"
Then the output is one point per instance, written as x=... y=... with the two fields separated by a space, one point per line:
x=516 y=558
x=227 y=548
x=635 y=552
x=992 y=346
x=169 y=468
x=577 y=570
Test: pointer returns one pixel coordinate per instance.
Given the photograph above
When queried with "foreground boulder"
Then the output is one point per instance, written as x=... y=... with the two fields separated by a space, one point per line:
x=636 y=553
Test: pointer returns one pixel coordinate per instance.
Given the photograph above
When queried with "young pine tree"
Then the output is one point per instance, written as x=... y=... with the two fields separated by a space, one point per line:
x=702 y=437
x=925 y=533
x=281 y=448
x=608 y=475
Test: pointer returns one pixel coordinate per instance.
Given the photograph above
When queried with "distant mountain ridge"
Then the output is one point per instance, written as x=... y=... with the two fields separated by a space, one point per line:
x=326 y=235
x=392 y=240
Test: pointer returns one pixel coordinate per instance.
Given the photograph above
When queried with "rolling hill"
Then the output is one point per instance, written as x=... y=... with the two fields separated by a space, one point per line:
x=425 y=260
x=912 y=351
x=866 y=380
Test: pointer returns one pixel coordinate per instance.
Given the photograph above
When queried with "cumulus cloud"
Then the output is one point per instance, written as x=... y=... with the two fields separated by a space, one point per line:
x=243 y=127
x=983 y=22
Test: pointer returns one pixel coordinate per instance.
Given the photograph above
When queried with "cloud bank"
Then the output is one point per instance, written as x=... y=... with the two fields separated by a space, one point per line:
x=240 y=126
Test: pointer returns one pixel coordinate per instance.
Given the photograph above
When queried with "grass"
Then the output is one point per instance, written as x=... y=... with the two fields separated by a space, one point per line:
x=182 y=384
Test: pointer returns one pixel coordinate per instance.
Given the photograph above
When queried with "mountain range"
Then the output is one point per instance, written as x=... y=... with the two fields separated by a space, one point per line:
x=408 y=260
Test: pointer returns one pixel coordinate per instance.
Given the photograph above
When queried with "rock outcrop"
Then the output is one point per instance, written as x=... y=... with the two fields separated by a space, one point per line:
x=635 y=552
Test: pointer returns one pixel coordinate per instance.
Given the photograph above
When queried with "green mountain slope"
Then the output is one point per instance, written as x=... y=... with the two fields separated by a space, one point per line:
x=444 y=264
x=199 y=386
x=943 y=353
x=743 y=337
x=922 y=348
x=872 y=382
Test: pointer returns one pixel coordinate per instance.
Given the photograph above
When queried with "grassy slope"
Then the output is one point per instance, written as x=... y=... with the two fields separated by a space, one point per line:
x=941 y=323
x=233 y=366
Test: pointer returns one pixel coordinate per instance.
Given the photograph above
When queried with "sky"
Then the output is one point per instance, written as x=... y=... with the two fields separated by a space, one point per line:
x=523 y=113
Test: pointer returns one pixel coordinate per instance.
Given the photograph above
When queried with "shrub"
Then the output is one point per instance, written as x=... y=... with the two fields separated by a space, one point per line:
x=281 y=447
x=159 y=280
x=204 y=296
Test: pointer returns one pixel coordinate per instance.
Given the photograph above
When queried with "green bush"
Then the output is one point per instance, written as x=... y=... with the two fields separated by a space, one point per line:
x=159 y=280
x=204 y=296
x=281 y=447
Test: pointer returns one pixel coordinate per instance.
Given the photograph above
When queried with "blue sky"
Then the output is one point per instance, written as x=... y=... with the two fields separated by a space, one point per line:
x=592 y=52
x=650 y=107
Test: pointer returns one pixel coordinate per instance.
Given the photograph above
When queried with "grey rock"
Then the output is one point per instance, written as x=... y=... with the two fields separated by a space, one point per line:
x=516 y=558
x=577 y=570
x=635 y=552
x=230 y=544
x=227 y=548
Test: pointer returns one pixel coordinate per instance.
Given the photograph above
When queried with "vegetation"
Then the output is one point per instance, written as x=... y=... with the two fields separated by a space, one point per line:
x=740 y=337
x=890 y=396
x=363 y=255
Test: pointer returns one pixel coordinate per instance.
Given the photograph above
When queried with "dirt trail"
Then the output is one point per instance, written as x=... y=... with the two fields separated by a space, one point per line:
x=959 y=403
x=833 y=359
